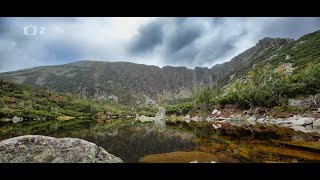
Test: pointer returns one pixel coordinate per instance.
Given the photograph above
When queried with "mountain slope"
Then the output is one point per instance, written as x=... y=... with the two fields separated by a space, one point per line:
x=130 y=83
x=292 y=72
x=29 y=103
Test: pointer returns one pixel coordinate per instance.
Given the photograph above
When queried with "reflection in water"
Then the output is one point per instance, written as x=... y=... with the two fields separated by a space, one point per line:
x=143 y=142
x=132 y=143
x=160 y=119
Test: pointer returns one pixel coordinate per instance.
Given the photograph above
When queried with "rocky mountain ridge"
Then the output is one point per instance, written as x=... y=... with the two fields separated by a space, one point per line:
x=130 y=83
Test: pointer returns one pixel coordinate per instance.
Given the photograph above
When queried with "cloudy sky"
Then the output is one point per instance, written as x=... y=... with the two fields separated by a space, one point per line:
x=193 y=41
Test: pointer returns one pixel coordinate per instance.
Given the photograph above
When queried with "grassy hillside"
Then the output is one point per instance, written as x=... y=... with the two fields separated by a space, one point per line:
x=29 y=103
x=290 y=72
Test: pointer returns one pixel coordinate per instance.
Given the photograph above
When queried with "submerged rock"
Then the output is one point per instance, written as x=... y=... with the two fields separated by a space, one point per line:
x=223 y=157
x=180 y=157
x=44 y=149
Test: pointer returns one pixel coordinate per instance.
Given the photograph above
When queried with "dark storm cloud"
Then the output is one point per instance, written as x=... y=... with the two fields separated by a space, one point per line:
x=180 y=32
x=225 y=46
x=207 y=41
x=187 y=41
x=215 y=48
x=180 y=41
x=182 y=36
x=149 y=37
x=191 y=41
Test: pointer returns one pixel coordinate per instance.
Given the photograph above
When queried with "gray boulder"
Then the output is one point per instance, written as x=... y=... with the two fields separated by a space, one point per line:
x=16 y=119
x=261 y=120
x=252 y=120
x=316 y=124
x=44 y=149
x=305 y=129
x=209 y=119
x=304 y=121
x=296 y=103
x=299 y=121
x=215 y=111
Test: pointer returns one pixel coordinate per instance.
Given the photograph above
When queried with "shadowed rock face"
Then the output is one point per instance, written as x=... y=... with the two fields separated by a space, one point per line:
x=43 y=149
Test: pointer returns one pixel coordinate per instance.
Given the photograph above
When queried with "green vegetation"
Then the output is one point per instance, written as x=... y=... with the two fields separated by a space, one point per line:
x=281 y=70
x=294 y=72
x=179 y=109
x=28 y=103
x=264 y=87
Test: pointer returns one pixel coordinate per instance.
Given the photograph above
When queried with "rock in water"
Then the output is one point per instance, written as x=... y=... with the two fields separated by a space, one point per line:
x=196 y=118
x=209 y=119
x=187 y=118
x=252 y=120
x=160 y=119
x=44 y=149
x=144 y=118
x=215 y=126
x=215 y=111
x=15 y=119
x=304 y=121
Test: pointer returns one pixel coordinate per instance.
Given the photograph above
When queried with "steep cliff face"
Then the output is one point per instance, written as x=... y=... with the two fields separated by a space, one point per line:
x=130 y=83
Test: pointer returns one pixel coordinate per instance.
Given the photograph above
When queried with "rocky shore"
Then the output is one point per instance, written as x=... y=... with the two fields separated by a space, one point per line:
x=308 y=122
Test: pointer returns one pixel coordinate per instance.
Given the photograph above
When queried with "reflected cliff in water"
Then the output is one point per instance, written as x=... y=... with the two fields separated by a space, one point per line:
x=182 y=142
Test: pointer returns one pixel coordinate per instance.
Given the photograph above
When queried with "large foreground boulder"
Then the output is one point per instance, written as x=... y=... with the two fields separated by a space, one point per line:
x=43 y=149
